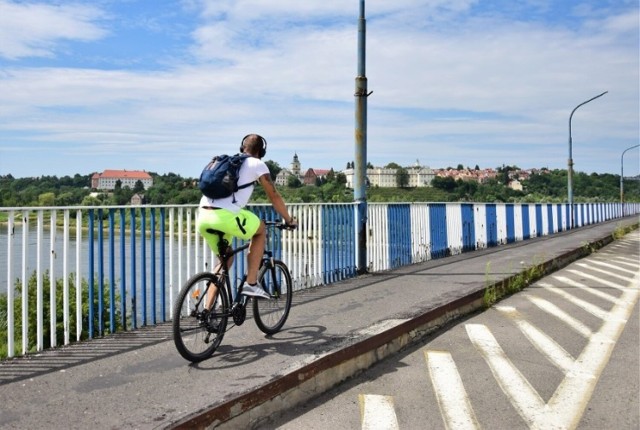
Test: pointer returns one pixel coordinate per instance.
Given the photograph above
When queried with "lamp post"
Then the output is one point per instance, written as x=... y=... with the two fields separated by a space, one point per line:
x=622 y=176
x=570 y=163
x=360 y=164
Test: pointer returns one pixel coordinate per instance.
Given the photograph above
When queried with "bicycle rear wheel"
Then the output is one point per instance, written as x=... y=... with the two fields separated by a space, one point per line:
x=271 y=314
x=197 y=332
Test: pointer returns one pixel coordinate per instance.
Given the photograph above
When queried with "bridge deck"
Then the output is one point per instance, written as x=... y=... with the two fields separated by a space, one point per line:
x=138 y=380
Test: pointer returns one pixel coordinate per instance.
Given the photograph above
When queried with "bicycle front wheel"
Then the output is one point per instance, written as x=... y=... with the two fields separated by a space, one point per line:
x=271 y=314
x=199 y=317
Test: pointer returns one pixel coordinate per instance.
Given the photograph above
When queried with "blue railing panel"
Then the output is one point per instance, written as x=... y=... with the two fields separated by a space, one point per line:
x=526 y=226
x=134 y=303
x=399 y=235
x=468 y=228
x=163 y=260
x=123 y=272
x=511 y=227
x=91 y=272
x=112 y=274
x=337 y=232
x=492 y=227
x=438 y=230
x=539 y=229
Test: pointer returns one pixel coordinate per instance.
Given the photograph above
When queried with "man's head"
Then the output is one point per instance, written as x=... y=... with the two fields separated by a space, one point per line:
x=254 y=144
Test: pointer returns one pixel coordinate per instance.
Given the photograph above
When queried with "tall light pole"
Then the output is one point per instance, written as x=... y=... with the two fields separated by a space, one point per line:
x=570 y=164
x=360 y=164
x=622 y=176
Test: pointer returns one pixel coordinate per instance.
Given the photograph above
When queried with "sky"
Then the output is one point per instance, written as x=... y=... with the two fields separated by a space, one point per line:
x=163 y=85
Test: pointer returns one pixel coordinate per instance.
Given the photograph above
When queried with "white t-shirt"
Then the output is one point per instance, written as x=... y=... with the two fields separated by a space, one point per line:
x=250 y=171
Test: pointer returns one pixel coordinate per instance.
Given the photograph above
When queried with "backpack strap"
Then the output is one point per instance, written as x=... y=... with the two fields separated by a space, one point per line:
x=242 y=157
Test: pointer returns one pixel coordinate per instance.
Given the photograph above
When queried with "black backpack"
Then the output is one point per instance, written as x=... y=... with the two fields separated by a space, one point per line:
x=219 y=178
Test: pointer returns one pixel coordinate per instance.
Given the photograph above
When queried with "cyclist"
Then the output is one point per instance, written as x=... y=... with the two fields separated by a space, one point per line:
x=230 y=216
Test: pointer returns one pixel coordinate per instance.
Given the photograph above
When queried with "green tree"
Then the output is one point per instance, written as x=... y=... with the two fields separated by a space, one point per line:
x=447 y=184
x=46 y=199
x=274 y=168
x=402 y=177
x=138 y=187
x=293 y=182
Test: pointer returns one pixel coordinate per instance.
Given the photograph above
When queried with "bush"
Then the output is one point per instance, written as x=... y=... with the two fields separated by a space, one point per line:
x=46 y=312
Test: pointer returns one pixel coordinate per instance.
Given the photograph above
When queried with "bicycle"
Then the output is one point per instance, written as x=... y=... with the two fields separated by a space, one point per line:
x=198 y=331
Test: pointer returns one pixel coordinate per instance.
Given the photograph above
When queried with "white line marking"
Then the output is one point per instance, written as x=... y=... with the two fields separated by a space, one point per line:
x=612 y=266
x=596 y=279
x=595 y=292
x=378 y=412
x=552 y=309
x=566 y=406
x=521 y=394
x=570 y=399
x=455 y=407
x=626 y=260
x=542 y=342
x=595 y=269
x=591 y=308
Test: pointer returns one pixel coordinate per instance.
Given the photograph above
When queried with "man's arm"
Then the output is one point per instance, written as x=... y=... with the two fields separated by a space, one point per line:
x=275 y=198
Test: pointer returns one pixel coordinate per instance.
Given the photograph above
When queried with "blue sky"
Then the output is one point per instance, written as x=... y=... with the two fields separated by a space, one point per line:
x=162 y=86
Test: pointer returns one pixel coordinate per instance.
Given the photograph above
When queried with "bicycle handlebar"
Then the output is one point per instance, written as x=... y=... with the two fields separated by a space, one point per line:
x=280 y=225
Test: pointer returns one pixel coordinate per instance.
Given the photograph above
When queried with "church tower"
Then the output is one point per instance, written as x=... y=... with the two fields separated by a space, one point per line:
x=295 y=165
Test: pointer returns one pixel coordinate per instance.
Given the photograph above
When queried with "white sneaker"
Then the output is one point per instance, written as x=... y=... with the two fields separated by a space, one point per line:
x=254 y=291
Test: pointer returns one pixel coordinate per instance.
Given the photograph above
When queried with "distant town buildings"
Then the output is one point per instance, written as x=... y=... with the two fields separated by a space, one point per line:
x=310 y=176
x=107 y=180
x=416 y=176
x=383 y=177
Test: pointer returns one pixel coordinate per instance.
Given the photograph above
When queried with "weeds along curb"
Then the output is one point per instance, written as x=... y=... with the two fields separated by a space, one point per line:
x=505 y=287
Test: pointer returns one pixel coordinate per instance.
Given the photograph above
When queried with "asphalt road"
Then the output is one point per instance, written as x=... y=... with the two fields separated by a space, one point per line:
x=563 y=353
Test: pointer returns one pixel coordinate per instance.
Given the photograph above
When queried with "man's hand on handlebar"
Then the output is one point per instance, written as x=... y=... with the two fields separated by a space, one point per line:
x=292 y=224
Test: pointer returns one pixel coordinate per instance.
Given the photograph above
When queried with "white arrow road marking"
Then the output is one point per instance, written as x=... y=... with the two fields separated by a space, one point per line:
x=566 y=406
x=522 y=395
x=377 y=412
x=573 y=394
x=542 y=342
x=552 y=309
x=589 y=307
x=453 y=401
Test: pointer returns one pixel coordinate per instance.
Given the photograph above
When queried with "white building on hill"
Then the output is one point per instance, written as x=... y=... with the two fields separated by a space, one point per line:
x=107 y=180
x=419 y=176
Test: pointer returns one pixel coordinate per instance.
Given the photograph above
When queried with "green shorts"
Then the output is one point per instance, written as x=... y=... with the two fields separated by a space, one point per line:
x=243 y=224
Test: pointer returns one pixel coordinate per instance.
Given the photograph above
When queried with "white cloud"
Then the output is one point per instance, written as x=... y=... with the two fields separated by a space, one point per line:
x=481 y=89
x=35 y=29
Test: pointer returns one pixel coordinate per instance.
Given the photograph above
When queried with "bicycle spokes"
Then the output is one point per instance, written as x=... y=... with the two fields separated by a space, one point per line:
x=200 y=318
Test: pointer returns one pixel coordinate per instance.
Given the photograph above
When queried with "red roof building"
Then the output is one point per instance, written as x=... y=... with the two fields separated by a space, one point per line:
x=128 y=178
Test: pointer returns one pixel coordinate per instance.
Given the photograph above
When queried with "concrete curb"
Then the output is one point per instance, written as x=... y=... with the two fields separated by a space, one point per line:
x=253 y=408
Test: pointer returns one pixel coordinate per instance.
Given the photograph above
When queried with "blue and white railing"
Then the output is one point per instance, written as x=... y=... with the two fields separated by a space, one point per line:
x=136 y=258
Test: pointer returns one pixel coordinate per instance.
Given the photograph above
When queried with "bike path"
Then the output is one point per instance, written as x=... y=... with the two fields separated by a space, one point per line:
x=138 y=380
